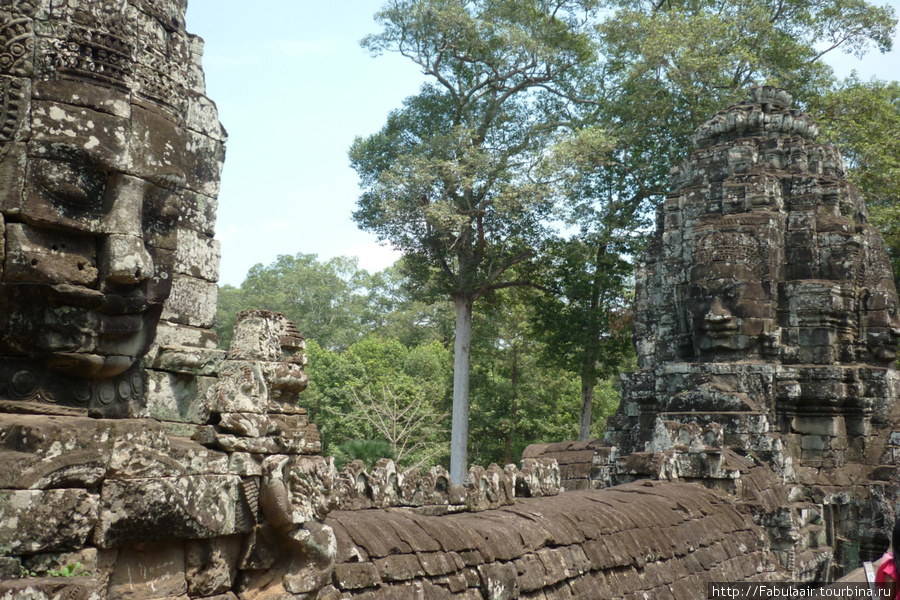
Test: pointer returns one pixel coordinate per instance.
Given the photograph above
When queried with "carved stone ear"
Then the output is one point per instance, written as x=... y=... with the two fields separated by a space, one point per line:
x=865 y=297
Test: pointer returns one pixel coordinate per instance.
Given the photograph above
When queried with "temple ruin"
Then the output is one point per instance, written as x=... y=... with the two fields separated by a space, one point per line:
x=756 y=441
x=766 y=329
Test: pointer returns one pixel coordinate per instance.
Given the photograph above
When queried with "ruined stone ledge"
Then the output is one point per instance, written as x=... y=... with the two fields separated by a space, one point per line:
x=191 y=302
x=46 y=452
x=294 y=442
x=176 y=334
x=188 y=359
x=50 y=588
x=254 y=386
x=34 y=521
x=314 y=487
x=143 y=510
x=179 y=397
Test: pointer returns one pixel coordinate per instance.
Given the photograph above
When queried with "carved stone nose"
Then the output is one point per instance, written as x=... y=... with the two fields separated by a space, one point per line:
x=718 y=313
x=124 y=260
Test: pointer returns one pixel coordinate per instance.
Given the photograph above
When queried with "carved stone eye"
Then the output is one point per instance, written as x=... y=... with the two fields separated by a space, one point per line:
x=77 y=187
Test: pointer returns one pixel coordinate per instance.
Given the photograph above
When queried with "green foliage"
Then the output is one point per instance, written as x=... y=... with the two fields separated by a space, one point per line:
x=72 y=570
x=325 y=299
x=368 y=451
x=380 y=389
x=670 y=65
x=589 y=311
x=586 y=321
x=455 y=208
x=394 y=312
x=607 y=394
x=451 y=178
x=538 y=118
x=75 y=569
x=518 y=397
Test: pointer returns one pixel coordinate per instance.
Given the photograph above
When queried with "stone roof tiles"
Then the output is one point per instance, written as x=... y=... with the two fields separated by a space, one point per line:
x=620 y=542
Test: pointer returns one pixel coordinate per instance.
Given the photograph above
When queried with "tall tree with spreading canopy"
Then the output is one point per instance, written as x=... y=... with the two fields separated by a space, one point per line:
x=451 y=180
x=863 y=118
x=585 y=319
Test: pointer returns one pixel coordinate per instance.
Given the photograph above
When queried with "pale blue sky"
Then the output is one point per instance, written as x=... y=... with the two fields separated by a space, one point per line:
x=293 y=89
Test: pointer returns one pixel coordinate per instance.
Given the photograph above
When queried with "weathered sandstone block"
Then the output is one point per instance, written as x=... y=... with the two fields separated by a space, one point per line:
x=46 y=520
x=201 y=506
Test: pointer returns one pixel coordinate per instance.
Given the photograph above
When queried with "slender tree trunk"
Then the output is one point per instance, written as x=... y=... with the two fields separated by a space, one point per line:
x=507 y=446
x=591 y=352
x=588 y=382
x=459 y=434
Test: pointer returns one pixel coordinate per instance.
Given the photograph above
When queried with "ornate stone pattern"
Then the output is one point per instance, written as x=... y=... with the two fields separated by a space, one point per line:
x=16 y=41
x=10 y=113
x=71 y=49
x=16 y=50
x=24 y=383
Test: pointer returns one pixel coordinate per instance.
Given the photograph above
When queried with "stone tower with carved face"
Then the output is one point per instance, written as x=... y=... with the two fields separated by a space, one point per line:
x=766 y=294
x=766 y=329
x=110 y=156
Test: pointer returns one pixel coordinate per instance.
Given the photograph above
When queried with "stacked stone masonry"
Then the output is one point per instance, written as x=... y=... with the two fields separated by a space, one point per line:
x=638 y=540
x=140 y=462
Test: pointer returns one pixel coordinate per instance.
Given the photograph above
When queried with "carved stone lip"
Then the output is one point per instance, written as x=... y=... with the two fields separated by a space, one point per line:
x=887 y=352
x=720 y=328
x=132 y=302
x=119 y=325
x=91 y=365
x=723 y=331
x=67 y=294
x=116 y=304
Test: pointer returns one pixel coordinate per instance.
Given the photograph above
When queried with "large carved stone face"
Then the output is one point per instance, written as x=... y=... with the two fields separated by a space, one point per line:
x=88 y=252
x=729 y=310
x=730 y=304
x=880 y=319
x=109 y=154
x=879 y=306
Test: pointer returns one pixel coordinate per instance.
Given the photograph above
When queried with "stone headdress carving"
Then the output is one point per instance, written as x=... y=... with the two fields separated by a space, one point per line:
x=735 y=246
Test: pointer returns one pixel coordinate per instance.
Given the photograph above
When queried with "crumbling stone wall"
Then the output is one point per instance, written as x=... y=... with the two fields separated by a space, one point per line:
x=248 y=509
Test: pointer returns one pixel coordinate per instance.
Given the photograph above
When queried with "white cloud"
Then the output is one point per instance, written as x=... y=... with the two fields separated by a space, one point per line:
x=373 y=256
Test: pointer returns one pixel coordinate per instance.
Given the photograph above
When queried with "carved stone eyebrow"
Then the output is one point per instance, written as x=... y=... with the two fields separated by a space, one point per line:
x=172 y=179
x=77 y=153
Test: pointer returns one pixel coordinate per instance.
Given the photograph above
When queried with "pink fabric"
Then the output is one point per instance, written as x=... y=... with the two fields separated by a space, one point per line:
x=887 y=568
